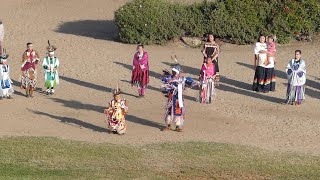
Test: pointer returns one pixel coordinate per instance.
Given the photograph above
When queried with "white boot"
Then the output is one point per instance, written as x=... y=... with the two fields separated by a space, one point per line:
x=47 y=91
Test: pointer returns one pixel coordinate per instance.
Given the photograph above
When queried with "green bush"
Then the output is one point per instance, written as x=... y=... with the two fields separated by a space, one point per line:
x=290 y=18
x=240 y=21
x=237 y=21
x=146 y=21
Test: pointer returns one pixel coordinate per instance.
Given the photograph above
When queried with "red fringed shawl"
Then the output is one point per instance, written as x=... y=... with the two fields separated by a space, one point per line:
x=140 y=76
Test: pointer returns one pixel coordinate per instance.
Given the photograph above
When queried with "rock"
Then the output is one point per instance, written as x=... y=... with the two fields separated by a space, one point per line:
x=304 y=37
x=191 y=41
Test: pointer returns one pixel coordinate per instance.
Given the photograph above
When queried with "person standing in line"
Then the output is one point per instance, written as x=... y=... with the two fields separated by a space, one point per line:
x=212 y=50
x=50 y=65
x=140 y=71
x=30 y=60
x=6 y=88
x=296 y=74
x=207 y=90
x=264 y=77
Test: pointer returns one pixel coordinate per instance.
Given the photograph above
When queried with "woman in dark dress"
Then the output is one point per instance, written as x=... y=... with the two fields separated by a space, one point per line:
x=211 y=50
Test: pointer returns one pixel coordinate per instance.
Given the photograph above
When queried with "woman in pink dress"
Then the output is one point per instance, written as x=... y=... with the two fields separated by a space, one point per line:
x=140 y=72
x=207 y=90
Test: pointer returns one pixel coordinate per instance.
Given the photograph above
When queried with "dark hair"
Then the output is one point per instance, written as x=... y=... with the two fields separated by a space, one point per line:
x=299 y=51
x=140 y=45
x=260 y=36
x=29 y=43
x=208 y=36
x=211 y=34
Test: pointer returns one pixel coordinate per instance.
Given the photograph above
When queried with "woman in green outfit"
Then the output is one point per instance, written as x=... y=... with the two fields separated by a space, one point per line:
x=50 y=66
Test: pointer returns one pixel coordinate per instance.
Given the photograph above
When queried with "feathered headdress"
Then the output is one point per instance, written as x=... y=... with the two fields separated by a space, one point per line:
x=175 y=61
x=50 y=47
x=175 y=66
x=176 y=69
x=4 y=56
x=116 y=91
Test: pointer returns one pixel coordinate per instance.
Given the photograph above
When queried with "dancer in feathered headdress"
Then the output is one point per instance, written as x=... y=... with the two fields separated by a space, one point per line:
x=116 y=112
x=50 y=65
x=174 y=84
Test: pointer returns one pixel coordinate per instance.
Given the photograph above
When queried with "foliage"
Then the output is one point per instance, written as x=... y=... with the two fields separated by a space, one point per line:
x=240 y=22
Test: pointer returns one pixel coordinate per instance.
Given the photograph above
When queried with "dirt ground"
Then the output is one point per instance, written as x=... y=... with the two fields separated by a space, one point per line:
x=93 y=62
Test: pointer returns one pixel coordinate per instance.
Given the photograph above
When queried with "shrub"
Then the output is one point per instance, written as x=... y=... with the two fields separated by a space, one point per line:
x=241 y=21
x=237 y=21
x=290 y=18
x=146 y=21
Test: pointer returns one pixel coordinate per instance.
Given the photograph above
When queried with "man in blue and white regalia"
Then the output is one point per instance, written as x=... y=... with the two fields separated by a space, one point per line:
x=6 y=89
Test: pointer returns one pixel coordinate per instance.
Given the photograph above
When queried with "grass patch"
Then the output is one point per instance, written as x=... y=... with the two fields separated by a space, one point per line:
x=50 y=158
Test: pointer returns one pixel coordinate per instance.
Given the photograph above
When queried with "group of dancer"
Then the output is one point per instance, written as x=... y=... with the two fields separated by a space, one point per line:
x=50 y=65
x=30 y=60
x=29 y=63
x=174 y=82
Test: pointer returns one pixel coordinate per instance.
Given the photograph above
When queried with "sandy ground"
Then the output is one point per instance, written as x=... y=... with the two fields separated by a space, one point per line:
x=93 y=62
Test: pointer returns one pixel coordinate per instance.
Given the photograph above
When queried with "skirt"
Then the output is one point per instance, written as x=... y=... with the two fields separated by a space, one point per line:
x=264 y=79
x=207 y=91
x=295 y=94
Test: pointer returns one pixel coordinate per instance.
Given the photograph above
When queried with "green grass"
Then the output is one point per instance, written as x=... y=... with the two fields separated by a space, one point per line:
x=50 y=158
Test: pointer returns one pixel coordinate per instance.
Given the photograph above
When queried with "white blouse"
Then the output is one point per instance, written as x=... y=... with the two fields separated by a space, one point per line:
x=262 y=57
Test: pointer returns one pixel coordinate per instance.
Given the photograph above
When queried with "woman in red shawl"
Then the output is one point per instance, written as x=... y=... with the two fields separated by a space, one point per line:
x=140 y=72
